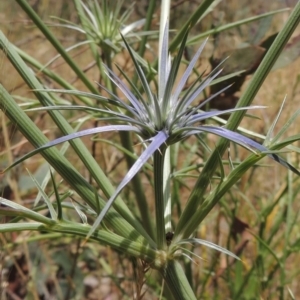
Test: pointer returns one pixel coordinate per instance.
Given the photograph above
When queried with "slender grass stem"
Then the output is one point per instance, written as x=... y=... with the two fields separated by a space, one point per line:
x=147 y=26
x=167 y=191
x=287 y=233
x=102 y=236
x=194 y=18
x=177 y=281
x=158 y=173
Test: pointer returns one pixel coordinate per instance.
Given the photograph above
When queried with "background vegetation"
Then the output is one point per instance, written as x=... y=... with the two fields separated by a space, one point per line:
x=257 y=220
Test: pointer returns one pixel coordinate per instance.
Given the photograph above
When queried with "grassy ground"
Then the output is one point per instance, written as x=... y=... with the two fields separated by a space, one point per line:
x=97 y=272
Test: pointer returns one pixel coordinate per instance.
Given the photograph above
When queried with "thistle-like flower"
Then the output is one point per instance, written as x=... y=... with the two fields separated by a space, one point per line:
x=163 y=118
x=104 y=24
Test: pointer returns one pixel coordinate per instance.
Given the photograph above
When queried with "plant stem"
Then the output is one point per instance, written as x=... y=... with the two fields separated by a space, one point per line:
x=147 y=26
x=194 y=18
x=104 y=237
x=167 y=191
x=158 y=173
x=177 y=281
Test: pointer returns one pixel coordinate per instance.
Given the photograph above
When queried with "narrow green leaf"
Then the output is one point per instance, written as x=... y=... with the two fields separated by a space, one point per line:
x=269 y=135
x=286 y=126
x=45 y=196
x=57 y=196
x=212 y=32
x=15 y=209
x=81 y=214
x=194 y=18
x=209 y=245
x=177 y=281
x=128 y=246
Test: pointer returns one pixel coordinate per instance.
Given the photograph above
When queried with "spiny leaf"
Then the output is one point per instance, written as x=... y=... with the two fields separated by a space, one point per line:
x=157 y=141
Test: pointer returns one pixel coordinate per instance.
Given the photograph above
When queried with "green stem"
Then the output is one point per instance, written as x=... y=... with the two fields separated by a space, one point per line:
x=147 y=26
x=177 y=281
x=195 y=17
x=167 y=191
x=212 y=32
x=158 y=173
x=287 y=233
x=111 y=239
